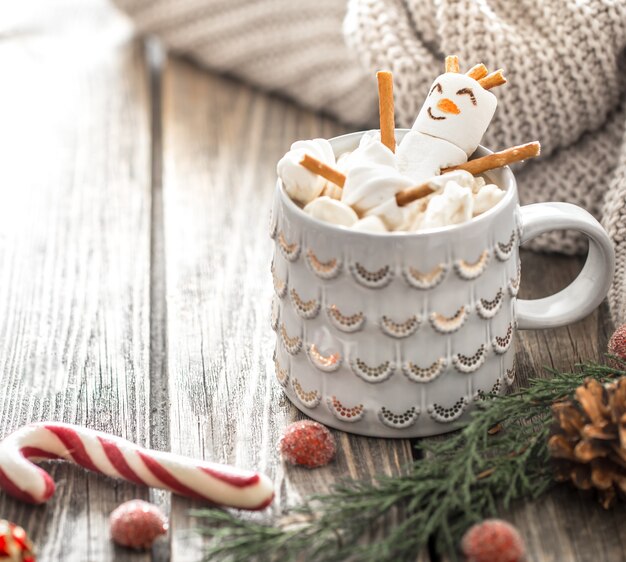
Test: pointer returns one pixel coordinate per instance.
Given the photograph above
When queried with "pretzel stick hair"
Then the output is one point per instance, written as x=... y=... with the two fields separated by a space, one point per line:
x=385 y=107
x=452 y=63
x=321 y=169
x=411 y=194
x=477 y=72
x=492 y=80
x=498 y=159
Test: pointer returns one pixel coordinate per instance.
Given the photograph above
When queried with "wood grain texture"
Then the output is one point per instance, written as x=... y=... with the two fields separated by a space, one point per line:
x=221 y=142
x=74 y=256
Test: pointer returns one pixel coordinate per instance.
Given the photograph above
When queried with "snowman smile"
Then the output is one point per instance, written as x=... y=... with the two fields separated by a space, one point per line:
x=435 y=117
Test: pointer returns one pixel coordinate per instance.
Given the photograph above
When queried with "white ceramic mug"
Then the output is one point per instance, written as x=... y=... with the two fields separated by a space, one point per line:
x=398 y=334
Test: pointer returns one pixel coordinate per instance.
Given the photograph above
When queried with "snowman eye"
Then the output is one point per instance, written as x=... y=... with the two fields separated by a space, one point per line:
x=467 y=91
x=437 y=87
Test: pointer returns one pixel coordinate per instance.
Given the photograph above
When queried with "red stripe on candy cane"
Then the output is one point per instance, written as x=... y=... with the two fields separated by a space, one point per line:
x=37 y=453
x=236 y=480
x=74 y=445
x=168 y=479
x=117 y=459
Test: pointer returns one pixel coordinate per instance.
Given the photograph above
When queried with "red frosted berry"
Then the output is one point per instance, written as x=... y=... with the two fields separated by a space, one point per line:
x=137 y=524
x=617 y=343
x=493 y=540
x=15 y=545
x=307 y=443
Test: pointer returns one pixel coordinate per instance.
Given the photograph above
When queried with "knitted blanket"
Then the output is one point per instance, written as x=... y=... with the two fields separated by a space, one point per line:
x=565 y=61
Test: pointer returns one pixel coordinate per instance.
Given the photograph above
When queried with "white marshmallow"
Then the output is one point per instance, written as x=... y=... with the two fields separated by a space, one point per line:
x=374 y=179
x=414 y=212
x=348 y=160
x=331 y=190
x=302 y=185
x=454 y=206
x=487 y=197
x=422 y=156
x=369 y=224
x=466 y=128
x=342 y=161
x=330 y=210
x=463 y=178
x=389 y=213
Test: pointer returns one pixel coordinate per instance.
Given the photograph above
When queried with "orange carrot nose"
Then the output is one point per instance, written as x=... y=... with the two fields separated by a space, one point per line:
x=448 y=106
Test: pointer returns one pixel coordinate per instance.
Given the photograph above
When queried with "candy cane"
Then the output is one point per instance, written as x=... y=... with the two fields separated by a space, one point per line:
x=216 y=483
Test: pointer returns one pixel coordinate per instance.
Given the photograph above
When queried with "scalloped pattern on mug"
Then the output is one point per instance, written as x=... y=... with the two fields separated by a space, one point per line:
x=515 y=282
x=399 y=421
x=345 y=323
x=275 y=316
x=449 y=324
x=344 y=413
x=495 y=389
x=428 y=280
x=470 y=363
x=292 y=344
x=424 y=374
x=468 y=271
x=371 y=279
x=325 y=363
x=504 y=251
x=399 y=330
x=376 y=374
x=289 y=250
x=501 y=344
x=509 y=376
x=308 y=398
x=305 y=309
x=280 y=286
x=323 y=269
x=446 y=415
x=282 y=375
x=489 y=308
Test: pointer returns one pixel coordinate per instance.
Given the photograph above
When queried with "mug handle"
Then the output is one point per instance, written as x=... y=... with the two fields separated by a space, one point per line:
x=588 y=290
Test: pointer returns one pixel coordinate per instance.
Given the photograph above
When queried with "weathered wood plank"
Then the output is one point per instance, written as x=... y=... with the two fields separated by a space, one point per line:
x=564 y=525
x=74 y=255
x=221 y=144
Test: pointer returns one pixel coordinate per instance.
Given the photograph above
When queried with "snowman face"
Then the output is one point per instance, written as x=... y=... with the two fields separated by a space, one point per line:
x=457 y=109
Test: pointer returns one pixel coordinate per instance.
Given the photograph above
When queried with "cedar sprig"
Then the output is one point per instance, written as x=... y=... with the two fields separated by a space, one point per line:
x=499 y=456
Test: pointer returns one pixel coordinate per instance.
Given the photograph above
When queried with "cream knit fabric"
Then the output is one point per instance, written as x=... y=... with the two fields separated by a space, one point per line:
x=564 y=59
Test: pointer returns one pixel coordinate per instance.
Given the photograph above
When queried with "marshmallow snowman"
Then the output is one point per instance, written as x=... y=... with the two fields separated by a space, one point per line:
x=448 y=128
x=458 y=110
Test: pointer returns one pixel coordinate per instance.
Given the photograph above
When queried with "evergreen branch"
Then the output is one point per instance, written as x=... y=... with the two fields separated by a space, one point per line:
x=459 y=483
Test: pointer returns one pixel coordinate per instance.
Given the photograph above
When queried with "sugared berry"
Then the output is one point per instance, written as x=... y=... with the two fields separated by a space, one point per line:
x=137 y=524
x=307 y=443
x=493 y=540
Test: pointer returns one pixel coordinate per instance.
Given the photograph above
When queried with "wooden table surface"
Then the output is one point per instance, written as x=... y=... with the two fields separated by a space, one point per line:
x=135 y=286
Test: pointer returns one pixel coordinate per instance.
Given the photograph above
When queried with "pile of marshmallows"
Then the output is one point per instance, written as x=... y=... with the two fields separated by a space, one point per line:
x=427 y=182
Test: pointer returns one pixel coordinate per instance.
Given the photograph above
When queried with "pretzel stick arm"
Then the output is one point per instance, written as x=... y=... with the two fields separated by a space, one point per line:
x=411 y=194
x=385 y=107
x=498 y=159
x=321 y=169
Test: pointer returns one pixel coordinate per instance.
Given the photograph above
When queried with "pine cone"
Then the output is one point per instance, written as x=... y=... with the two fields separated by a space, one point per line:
x=588 y=440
